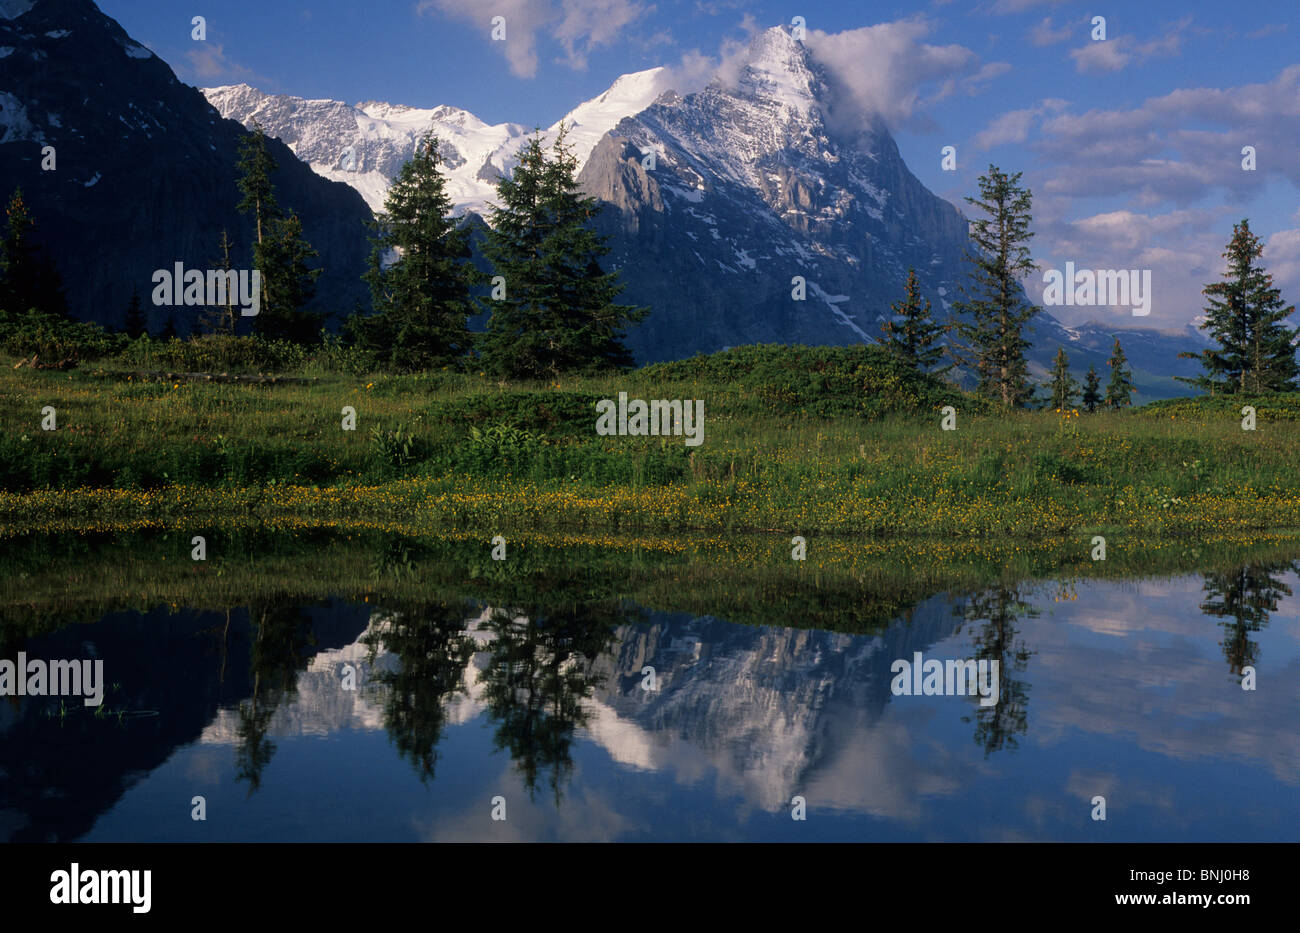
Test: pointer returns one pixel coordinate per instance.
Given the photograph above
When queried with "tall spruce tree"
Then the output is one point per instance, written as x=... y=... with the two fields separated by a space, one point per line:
x=558 y=313
x=255 y=167
x=280 y=252
x=288 y=282
x=1064 y=389
x=28 y=278
x=1257 y=351
x=1091 y=390
x=913 y=334
x=994 y=299
x=134 y=324
x=422 y=301
x=1119 y=390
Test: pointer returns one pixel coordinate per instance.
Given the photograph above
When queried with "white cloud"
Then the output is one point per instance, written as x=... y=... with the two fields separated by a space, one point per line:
x=1149 y=154
x=579 y=26
x=523 y=20
x=886 y=69
x=1118 y=52
x=1014 y=125
x=1187 y=257
x=1010 y=127
x=1020 y=6
x=209 y=66
x=973 y=84
x=1149 y=150
x=1043 y=33
x=1282 y=259
x=1268 y=30
x=1102 y=56
x=588 y=24
x=696 y=69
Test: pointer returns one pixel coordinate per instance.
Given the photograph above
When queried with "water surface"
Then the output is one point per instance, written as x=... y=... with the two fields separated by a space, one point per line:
x=1129 y=690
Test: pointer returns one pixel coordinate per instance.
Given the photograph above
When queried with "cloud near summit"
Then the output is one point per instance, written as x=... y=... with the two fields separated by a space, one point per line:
x=888 y=71
x=883 y=71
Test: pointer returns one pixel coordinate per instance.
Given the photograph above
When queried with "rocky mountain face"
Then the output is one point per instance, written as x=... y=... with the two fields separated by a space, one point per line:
x=751 y=191
x=144 y=171
x=761 y=219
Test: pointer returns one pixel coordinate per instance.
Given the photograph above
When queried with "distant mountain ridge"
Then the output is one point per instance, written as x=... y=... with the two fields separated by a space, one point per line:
x=366 y=144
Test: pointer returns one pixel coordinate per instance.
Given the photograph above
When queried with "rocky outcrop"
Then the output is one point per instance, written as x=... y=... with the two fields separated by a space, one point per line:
x=751 y=188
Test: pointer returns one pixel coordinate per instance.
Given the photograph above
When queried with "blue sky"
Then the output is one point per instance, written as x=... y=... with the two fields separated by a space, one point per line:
x=1131 y=146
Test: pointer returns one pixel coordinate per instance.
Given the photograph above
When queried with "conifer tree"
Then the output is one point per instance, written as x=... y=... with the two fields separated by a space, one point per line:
x=28 y=278
x=1091 y=390
x=914 y=335
x=558 y=314
x=1119 y=390
x=287 y=282
x=1256 y=350
x=280 y=253
x=422 y=301
x=134 y=324
x=994 y=299
x=17 y=269
x=1064 y=389
x=255 y=167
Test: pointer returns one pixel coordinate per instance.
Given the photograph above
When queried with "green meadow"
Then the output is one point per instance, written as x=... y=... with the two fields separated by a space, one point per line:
x=796 y=441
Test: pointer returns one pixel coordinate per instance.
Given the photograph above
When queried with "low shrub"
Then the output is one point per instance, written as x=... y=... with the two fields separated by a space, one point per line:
x=53 y=339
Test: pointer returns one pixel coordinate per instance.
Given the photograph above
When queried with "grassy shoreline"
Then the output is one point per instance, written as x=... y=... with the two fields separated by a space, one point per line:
x=846 y=585
x=736 y=508
x=797 y=441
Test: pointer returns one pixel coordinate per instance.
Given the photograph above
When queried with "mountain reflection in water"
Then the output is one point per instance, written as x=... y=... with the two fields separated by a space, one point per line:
x=1130 y=690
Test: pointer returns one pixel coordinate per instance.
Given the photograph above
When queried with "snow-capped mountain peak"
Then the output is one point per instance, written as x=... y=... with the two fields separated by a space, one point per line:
x=591 y=120
x=366 y=144
x=777 y=69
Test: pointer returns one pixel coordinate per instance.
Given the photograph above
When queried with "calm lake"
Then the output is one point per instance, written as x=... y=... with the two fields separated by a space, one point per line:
x=366 y=718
